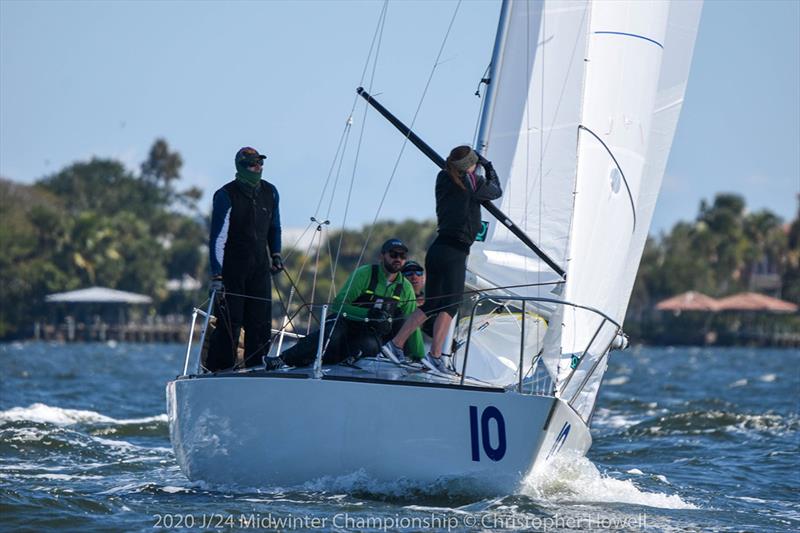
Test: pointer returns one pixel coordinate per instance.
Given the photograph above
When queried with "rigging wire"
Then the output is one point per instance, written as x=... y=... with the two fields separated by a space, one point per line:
x=411 y=127
x=296 y=246
x=342 y=142
x=294 y=289
x=381 y=27
x=377 y=40
x=339 y=155
x=349 y=122
x=541 y=139
x=402 y=147
x=466 y=292
x=316 y=266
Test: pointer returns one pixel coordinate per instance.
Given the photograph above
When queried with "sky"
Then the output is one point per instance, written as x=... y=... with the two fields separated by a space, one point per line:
x=106 y=78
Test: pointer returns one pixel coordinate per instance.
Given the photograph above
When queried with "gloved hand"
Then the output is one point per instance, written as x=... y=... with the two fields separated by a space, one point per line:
x=487 y=165
x=277 y=263
x=379 y=320
x=216 y=285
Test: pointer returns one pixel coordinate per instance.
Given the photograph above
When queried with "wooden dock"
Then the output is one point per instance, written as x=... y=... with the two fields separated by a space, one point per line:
x=149 y=331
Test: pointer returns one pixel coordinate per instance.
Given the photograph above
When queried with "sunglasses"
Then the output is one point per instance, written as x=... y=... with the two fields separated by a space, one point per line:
x=396 y=255
x=410 y=273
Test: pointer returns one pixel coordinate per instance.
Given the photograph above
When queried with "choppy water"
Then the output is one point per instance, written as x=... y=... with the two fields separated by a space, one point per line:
x=685 y=439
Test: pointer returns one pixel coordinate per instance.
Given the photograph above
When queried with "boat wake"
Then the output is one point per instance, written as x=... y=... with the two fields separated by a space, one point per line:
x=564 y=480
x=577 y=479
x=445 y=492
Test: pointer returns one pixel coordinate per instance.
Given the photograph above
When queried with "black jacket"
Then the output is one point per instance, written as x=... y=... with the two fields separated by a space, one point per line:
x=249 y=218
x=458 y=211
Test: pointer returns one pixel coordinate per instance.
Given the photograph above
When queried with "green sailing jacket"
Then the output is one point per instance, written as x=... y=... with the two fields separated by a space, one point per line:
x=358 y=282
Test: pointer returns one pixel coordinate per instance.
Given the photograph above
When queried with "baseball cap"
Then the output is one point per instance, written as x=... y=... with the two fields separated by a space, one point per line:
x=412 y=266
x=393 y=244
x=248 y=156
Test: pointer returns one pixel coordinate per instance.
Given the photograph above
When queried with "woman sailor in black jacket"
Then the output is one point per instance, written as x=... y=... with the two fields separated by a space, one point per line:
x=460 y=189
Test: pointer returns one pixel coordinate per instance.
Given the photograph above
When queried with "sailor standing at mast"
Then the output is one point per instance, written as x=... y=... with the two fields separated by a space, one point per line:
x=245 y=248
x=460 y=189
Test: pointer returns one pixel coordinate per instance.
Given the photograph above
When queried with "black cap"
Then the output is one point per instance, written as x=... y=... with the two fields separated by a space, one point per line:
x=412 y=265
x=248 y=156
x=393 y=244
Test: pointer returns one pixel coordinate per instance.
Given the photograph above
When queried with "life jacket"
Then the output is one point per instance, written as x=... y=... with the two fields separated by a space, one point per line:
x=250 y=217
x=388 y=303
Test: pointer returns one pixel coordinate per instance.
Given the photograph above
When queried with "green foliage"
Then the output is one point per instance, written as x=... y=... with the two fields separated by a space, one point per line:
x=96 y=223
x=720 y=253
x=791 y=277
x=104 y=186
x=30 y=229
x=725 y=250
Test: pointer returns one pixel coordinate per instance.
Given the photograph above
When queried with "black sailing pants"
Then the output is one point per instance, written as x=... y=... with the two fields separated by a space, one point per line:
x=350 y=339
x=253 y=311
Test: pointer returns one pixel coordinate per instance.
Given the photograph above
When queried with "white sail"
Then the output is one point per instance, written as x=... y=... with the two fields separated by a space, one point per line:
x=530 y=138
x=529 y=131
x=582 y=158
x=636 y=71
x=682 y=27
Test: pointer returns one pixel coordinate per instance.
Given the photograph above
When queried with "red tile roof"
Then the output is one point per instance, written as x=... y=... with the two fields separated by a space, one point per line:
x=753 y=301
x=688 y=301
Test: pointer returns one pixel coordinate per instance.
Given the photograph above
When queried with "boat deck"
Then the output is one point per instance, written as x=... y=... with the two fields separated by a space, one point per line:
x=368 y=369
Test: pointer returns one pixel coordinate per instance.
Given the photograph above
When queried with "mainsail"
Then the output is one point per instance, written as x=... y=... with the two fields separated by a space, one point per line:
x=529 y=131
x=584 y=107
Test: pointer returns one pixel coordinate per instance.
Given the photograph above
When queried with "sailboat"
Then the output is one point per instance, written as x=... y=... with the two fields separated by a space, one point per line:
x=582 y=103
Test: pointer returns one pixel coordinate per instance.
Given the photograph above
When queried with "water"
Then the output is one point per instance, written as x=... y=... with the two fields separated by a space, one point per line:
x=685 y=439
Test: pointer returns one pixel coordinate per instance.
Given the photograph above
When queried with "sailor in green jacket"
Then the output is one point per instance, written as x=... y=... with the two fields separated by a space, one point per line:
x=370 y=307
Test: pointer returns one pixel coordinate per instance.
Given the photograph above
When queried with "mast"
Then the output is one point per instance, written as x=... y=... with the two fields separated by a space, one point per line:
x=494 y=67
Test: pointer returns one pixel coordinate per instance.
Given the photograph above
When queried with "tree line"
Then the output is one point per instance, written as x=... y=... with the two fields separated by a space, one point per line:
x=724 y=250
x=98 y=223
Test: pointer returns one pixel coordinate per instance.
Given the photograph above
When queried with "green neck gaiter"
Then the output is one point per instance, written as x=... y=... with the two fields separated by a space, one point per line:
x=248 y=177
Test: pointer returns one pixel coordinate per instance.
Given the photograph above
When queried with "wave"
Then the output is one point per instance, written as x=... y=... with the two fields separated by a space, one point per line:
x=714 y=421
x=41 y=413
x=67 y=441
x=446 y=493
x=616 y=381
x=63 y=477
x=80 y=434
x=576 y=479
x=572 y=479
x=606 y=418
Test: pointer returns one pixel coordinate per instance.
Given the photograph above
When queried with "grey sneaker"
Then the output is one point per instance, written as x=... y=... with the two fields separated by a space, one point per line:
x=273 y=363
x=441 y=364
x=393 y=353
x=447 y=361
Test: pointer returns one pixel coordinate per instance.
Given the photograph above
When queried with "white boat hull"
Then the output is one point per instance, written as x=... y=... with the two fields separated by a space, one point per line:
x=260 y=429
